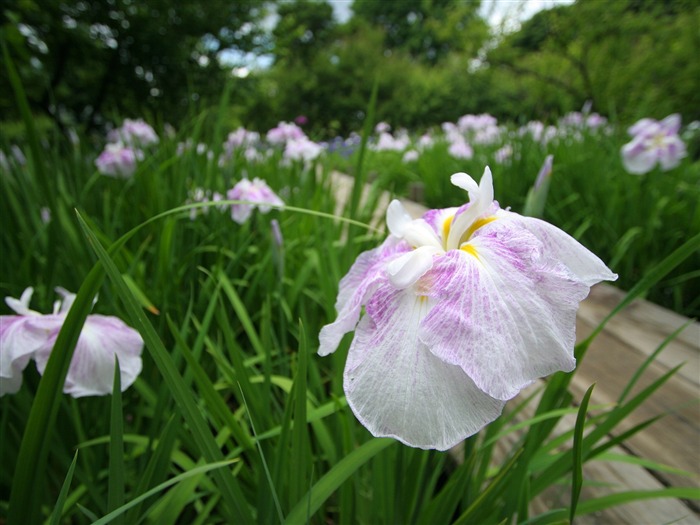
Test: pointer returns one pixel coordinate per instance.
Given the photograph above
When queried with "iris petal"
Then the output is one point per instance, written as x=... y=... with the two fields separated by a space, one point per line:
x=507 y=317
x=397 y=388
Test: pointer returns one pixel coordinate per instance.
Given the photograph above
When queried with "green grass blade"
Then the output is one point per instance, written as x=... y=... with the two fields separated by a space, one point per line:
x=301 y=453
x=334 y=478
x=231 y=492
x=115 y=491
x=652 y=277
x=109 y=518
x=33 y=451
x=577 y=452
x=60 y=502
x=359 y=179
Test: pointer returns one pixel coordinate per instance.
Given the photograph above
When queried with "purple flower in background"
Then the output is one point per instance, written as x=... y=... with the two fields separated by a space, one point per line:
x=117 y=160
x=257 y=193
x=454 y=314
x=545 y=171
x=387 y=142
x=31 y=335
x=459 y=148
x=284 y=132
x=134 y=133
x=301 y=120
x=653 y=143
x=382 y=127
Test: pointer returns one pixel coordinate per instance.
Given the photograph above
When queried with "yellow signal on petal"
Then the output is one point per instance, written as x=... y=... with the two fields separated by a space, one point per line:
x=483 y=221
x=470 y=249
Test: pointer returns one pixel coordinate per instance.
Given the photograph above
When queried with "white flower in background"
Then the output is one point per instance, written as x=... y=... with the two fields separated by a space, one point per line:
x=31 y=335
x=454 y=314
x=653 y=143
x=302 y=149
x=257 y=194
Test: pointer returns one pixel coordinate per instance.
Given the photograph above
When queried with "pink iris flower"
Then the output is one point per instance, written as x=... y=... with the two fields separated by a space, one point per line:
x=257 y=193
x=454 y=313
x=31 y=335
x=654 y=143
x=117 y=160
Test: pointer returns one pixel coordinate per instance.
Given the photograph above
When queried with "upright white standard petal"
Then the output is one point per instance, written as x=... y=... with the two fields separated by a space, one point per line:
x=479 y=203
x=397 y=218
x=91 y=371
x=411 y=266
x=397 y=388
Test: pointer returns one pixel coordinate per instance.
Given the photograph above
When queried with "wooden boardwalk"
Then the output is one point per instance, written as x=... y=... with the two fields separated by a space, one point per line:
x=612 y=359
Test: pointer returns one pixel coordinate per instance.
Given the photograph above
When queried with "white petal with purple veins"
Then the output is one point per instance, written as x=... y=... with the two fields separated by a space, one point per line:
x=397 y=388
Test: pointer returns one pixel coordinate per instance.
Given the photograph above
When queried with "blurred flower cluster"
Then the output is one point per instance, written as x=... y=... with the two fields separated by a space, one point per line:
x=125 y=148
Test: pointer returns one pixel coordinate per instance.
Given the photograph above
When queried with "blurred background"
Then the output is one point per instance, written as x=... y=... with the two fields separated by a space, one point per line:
x=85 y=63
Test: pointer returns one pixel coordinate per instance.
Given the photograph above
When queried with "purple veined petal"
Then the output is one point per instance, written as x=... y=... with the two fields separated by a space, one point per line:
x=501 y=313
x=20 y=337
x=91 y=371
x=671 y=154
x=397 y=388
x=561 y=247
x=671 y=125
x=637 y=163
x=405 y=270
x=645 y=126
x=354 y=289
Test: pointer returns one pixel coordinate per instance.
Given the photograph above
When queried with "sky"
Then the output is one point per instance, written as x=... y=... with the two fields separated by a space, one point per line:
x=496 y=11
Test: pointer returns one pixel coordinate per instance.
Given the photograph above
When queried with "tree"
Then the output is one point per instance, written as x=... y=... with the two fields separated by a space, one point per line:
x=428 y=30
x=81 y=59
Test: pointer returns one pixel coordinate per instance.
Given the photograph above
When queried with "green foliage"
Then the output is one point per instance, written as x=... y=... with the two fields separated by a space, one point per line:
x=81 y=60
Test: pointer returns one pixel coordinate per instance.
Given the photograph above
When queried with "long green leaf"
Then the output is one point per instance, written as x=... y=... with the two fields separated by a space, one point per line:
x=334 y=478
x=155 y=490
x=231 y=492
x=33 y=451
x=115 y=491
x=60 y=502
x=577 y=452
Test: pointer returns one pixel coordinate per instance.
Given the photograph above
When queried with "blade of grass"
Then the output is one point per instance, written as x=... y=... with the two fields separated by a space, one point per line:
x=334 y=478
x=231 y=492
x=159 y=488
x=60 y=502
x=115 y=490
x=577 y=452
x=33 y=452
x=301 y=454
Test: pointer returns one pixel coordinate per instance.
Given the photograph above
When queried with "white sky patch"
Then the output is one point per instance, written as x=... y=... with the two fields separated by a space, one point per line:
x=508 y=15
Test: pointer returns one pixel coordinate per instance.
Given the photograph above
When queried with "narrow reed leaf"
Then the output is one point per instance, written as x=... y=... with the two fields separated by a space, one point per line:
x=652 y=277
x=475 y=512
x=158 y=465
x=60 y=502
x=577 y=453
x=231 y=492
x=638 y=373
x=270 y=481
x=334 y=478
x=38 y=434
x=359 y=180
x=301 y=451
x=215 y=404
x=115 y=490
x=139 y=294
x=241 y=313
x=643 y=462
x=109 y=518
